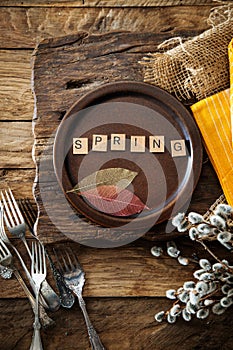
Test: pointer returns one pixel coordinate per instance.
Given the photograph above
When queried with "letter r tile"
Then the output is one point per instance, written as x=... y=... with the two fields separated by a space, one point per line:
x=118 y=142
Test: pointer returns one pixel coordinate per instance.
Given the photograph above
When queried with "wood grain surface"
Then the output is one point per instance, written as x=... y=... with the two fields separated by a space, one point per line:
x=26 y=27
x=107 y=3
x=129 y=271
x=124 y=324
x=138 y=331
x=125 y=286
x=124 y=272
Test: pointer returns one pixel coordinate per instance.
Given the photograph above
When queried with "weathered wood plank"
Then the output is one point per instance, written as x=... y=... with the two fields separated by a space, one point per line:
x=83 y=60
x=107 y=3
x=15 y=85
x=85 y=70
x=15 y=89
x=16 y=145
x=91 y=62
x=19 y=180
x=128 y=322
x=15 y=69
x=24 y=27
x=127 y=271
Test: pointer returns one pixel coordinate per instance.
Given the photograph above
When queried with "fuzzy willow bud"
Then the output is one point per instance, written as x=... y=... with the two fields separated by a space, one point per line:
x=193 y=233
x=218 y=221
x=205 y=264
x=186 y=315
x=159 y=316
x=156 y=251
x=218 y=309
x=171 y=294
x=171 y=319
x=203 y=313
x=195 y=218
x=223 y=210
x=224 y=237
x=177 y=220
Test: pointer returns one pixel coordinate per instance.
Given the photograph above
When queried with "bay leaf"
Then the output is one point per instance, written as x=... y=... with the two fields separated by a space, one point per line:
x=113 y=201
x=119 y=177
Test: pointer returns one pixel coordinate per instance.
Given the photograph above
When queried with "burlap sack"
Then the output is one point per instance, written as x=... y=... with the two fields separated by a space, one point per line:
x=198 y=67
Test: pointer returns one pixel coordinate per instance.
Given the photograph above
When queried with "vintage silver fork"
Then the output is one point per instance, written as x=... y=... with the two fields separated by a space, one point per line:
x=28 y=212
x=74 y=278
x=5 y=239
x=38 y=273
x=6 y=260
x=17 y=227
x=66 y=296
x=13 y=218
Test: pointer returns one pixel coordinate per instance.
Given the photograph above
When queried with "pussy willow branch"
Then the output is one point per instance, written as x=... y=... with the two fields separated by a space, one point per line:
x=213 y=255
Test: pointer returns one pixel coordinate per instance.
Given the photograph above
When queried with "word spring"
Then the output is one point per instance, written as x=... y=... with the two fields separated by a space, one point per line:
x=117 y=142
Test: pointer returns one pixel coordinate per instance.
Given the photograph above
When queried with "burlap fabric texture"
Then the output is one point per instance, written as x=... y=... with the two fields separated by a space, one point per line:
x=198 y=67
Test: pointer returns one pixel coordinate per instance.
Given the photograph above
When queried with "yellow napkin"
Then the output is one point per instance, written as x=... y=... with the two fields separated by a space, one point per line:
x=214 y=116
x=230 y=54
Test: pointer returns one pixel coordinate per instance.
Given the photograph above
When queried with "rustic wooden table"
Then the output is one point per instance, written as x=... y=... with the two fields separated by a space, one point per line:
x=125 y=286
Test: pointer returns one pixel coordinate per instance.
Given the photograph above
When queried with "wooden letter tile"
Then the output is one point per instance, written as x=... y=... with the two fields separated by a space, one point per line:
x=138 y=143
x=156 y=144
x=100 y=143
x=178 y=148
x=80 y=145
x=118 y=142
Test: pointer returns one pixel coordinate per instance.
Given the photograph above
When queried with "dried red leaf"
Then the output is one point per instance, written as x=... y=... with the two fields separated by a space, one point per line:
x=114 y=201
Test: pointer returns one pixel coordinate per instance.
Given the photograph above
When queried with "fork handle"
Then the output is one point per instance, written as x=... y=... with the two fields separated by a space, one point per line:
x=51 y=298
x=67 y=298
x=42 y=299
x=45 y=319
x=95 y=341
x=36 y=340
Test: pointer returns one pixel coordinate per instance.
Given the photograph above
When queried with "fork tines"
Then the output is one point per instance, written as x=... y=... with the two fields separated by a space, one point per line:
x=3 y=235
x=67 y=260
x=3 y=250
x=38 y=259
x=5 y=254
x=12 y=213
x=28 y=212
x=1 y=217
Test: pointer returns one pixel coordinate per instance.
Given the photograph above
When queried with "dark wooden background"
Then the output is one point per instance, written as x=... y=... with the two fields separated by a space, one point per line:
x=125 y=286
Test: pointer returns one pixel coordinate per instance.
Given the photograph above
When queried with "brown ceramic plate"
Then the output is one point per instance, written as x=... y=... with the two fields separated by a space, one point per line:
x=164 y=182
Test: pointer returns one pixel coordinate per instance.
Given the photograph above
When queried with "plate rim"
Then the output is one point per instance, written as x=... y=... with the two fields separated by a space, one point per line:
x=146 y=89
